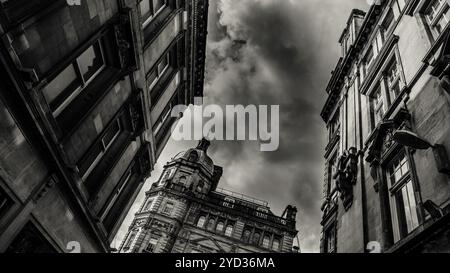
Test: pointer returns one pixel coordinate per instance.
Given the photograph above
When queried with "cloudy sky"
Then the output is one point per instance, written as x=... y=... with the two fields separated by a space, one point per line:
x=289 y=52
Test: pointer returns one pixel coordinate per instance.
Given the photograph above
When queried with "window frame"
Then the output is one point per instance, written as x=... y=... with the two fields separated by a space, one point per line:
x=68 y=95
x=154 y=245
x=202 y=220
x=395 y=190
x=152 y=13
x=159 y=72
x=229 y=230
x=168 y=208
x=103 y=149
x=438 y=15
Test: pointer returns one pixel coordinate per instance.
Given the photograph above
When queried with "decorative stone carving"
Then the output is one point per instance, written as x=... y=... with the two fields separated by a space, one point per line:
x=347 y=170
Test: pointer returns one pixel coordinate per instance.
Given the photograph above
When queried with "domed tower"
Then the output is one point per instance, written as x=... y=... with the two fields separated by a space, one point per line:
x=185 y=212
x=190 y=174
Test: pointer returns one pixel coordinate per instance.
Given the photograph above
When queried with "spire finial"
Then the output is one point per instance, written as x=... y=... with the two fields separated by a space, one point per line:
x=203 y=144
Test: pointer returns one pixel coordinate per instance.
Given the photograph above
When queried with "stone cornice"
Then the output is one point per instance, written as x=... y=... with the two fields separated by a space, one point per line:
x=344 y=65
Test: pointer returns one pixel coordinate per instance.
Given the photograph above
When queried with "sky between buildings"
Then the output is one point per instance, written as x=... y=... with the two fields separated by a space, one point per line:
x=290 y=49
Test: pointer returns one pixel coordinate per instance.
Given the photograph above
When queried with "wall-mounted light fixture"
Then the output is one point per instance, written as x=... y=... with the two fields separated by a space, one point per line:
x=412 y=140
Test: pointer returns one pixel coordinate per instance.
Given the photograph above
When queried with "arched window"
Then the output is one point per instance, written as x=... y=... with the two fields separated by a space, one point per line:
x=256 y=237
x=276 y=245
x=182 y=180
x=211 y=224
x=220 y=226
x=246 y=235
x=201 y=221
x=229 y=230
x=266 y=241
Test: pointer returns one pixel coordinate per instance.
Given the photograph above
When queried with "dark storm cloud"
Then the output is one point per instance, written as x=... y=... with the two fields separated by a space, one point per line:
x=272 y=52
x=289 y=50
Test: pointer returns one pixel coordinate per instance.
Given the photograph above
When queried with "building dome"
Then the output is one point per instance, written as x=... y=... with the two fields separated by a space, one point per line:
x=199 y=155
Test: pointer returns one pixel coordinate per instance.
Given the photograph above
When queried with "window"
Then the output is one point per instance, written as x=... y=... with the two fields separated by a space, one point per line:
x=149 y=204
x=201 y=221
x=377 y=106
x=276 y=245
x=152 y=244
x=229 y=230
x=219 y=227
x=5 y=202
x=66 y=86
x=126 y=178
x=368 y=59
x=95 y=154
x=262 y=212
x=246 y=235
x=393 y=79
x=182 y=180
x=211 y=224
x=266 y=242
x=403 y=201
x=388 y=22
x=30 y=240
x=331 y=171
x=168 y=208
x=330 y=239
x=256 y=238
x=158 y=71
x=228 y=202
x=163 y=117
x=438 y=16
x=150 y=8
x=334 y=125
x=130 y=240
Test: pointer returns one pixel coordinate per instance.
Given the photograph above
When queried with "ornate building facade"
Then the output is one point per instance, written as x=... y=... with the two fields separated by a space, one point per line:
x=85 y=95
x=185 y=212
x=387 y=172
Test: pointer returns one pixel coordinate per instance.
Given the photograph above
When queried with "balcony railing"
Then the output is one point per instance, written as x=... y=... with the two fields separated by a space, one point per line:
x=219 y=199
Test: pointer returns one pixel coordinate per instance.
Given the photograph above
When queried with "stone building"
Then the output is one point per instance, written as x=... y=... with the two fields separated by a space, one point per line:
x=387 y=172
x=185 y=212
x=84 y=100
